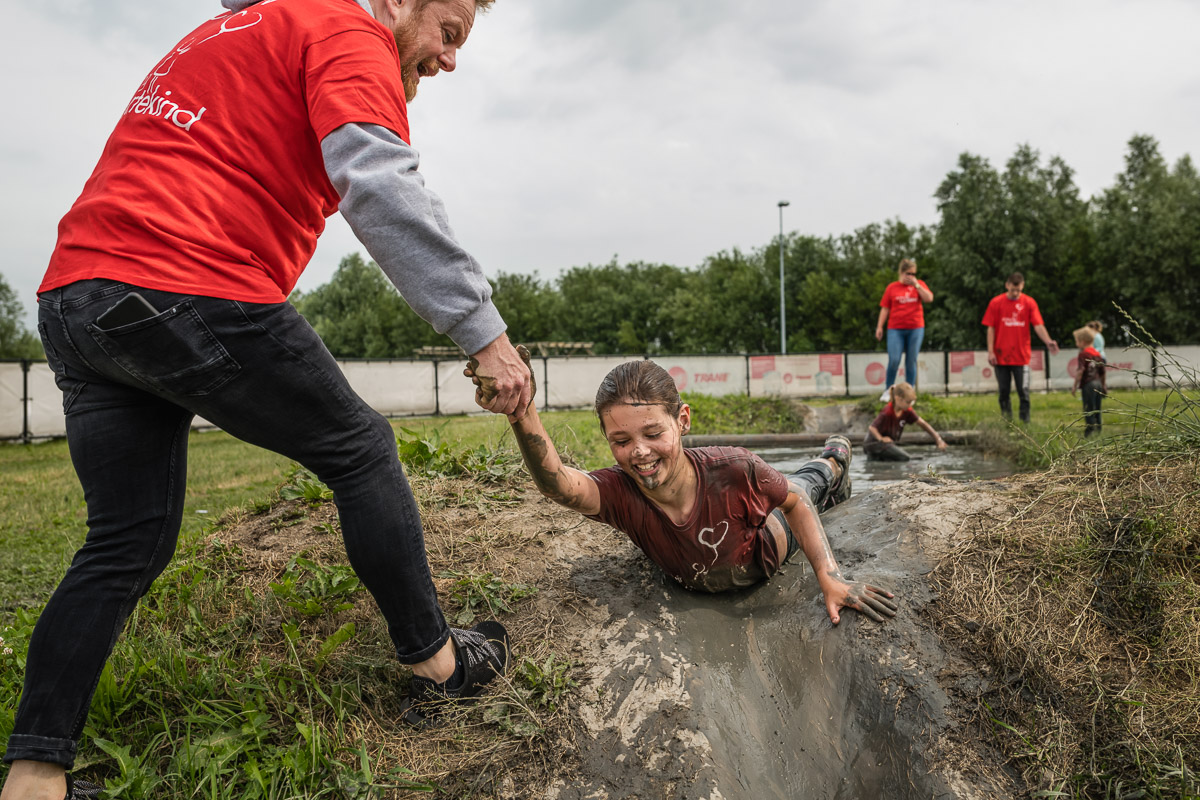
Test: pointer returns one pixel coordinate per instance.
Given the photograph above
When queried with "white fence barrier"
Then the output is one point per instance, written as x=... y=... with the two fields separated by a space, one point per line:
x=31 y=405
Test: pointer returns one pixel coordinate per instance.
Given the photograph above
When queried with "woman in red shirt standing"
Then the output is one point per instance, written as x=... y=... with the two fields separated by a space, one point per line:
x=903 y=310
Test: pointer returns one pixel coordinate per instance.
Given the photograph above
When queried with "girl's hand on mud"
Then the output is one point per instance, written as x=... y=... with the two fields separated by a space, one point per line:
x=864 y=598
x=941 y=443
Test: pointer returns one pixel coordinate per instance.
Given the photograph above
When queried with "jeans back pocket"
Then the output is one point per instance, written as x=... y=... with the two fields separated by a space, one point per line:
x=174 y=352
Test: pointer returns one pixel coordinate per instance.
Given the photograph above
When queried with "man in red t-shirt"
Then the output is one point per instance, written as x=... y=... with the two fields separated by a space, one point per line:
x=165 y=300
x=1008 y=319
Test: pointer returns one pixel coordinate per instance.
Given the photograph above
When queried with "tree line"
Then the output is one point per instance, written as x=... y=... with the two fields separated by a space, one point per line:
x=1136 y=244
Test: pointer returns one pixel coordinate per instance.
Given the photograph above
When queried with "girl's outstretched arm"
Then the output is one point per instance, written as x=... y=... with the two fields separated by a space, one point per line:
x=839 y=593
x=564 y=485
x=937 y=437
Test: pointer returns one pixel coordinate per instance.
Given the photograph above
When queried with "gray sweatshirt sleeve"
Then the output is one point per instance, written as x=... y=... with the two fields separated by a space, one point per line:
x=404 y=227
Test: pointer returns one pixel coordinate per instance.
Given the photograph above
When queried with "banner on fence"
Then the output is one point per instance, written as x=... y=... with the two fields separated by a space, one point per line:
x=970 y=372
x=1179 y=363
x=867 y=372
x=1123 y=365
x=571 y=382
x=12 y=411
x=711 y=375
x=394 y=388
x=810 y=375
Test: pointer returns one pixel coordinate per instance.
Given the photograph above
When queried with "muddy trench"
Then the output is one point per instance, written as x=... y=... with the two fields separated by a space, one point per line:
x=757 y=695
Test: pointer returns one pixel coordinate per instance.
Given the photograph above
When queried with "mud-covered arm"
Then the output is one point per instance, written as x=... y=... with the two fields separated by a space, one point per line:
x=839 y=593
x=564 y=485
x=937 y=437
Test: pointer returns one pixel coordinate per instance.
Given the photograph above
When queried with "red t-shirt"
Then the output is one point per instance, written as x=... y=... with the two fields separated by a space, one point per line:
x=724 y=543
x=213 y=182
x=905 y=309
x=1090 y=365
x=889 y=423
x=1011 y=320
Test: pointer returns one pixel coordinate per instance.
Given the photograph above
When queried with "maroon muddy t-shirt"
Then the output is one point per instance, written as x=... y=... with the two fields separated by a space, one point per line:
x=724 y=543
x=889 y=423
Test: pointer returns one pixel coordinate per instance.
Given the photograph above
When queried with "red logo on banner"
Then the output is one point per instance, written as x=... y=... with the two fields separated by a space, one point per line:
x=787 y=378
x=761 y=365
x=960 y=361
x=1038 y=361
x=876 y=372
x=1073 y=367
x=680 y=376
x=987 y=372
x=832 y=363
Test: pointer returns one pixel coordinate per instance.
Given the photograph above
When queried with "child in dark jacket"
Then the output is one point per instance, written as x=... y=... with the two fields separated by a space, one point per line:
x=1090 y=377
x=884 y=433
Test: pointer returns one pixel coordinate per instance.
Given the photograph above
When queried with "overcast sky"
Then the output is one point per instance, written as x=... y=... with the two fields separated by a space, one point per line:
x=660 y=130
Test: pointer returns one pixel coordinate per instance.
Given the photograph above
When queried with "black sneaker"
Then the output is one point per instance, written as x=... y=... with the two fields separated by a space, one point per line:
x=484 y=653
x=81 y=790
x=838 y=448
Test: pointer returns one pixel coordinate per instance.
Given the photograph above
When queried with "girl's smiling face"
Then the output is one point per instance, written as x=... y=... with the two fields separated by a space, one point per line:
x=647 y=441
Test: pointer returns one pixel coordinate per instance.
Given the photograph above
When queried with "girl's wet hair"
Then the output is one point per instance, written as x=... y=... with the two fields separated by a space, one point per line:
x=640 y=383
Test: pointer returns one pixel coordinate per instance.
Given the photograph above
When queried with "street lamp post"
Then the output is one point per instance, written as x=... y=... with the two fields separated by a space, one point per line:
x=782 y=310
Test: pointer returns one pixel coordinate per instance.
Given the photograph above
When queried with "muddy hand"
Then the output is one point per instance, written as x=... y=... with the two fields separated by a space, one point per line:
x=503 y=379
x=864 y=598
x=487 y=392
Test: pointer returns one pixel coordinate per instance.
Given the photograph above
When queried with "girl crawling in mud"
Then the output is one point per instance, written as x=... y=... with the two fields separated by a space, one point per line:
x=713 y=518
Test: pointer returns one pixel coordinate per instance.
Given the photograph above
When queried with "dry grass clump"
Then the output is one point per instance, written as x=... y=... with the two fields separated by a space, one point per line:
x=1086 y=599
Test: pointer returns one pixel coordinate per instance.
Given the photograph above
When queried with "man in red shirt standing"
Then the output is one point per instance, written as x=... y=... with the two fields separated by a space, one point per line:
x=165 y=299
x=1008 y=318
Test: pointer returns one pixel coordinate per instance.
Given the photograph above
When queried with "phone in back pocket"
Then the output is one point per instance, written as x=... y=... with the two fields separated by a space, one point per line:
x=129 y=309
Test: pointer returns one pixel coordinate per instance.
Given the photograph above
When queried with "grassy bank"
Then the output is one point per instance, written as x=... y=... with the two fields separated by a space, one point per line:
x=1085 y=606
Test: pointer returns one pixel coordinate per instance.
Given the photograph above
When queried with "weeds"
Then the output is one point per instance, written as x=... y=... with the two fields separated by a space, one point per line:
x=433 y=456
x=1090 y=595
x=475 y=592
x=315 y=590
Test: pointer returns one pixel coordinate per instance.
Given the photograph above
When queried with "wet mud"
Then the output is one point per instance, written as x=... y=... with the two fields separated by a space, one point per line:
x=756 y=695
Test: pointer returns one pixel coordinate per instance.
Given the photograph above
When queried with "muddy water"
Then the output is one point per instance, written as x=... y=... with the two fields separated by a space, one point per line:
x=755 y=695
x=954 y=463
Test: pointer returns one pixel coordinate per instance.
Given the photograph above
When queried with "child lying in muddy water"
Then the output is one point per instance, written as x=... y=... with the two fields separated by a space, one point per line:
x=713 y=518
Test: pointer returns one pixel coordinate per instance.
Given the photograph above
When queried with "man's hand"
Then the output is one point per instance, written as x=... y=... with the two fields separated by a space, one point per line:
x=873 y=601
x=992 y=359
x=1053 y=345
x=503 y=379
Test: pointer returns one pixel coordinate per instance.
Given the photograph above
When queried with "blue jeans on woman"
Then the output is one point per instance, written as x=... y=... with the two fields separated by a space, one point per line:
x=130 y=392
x=906 y=341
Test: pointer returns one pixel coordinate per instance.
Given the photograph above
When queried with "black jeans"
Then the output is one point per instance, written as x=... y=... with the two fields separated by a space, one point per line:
x=816 y=479
x=259 y=372
x=1092 y=395
x=1006 y=374
x=885 y=451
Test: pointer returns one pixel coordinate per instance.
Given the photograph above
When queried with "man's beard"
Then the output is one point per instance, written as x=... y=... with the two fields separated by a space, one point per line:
x=409 y=71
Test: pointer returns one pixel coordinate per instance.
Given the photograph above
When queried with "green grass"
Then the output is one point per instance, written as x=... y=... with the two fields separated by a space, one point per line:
x=43 y=518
